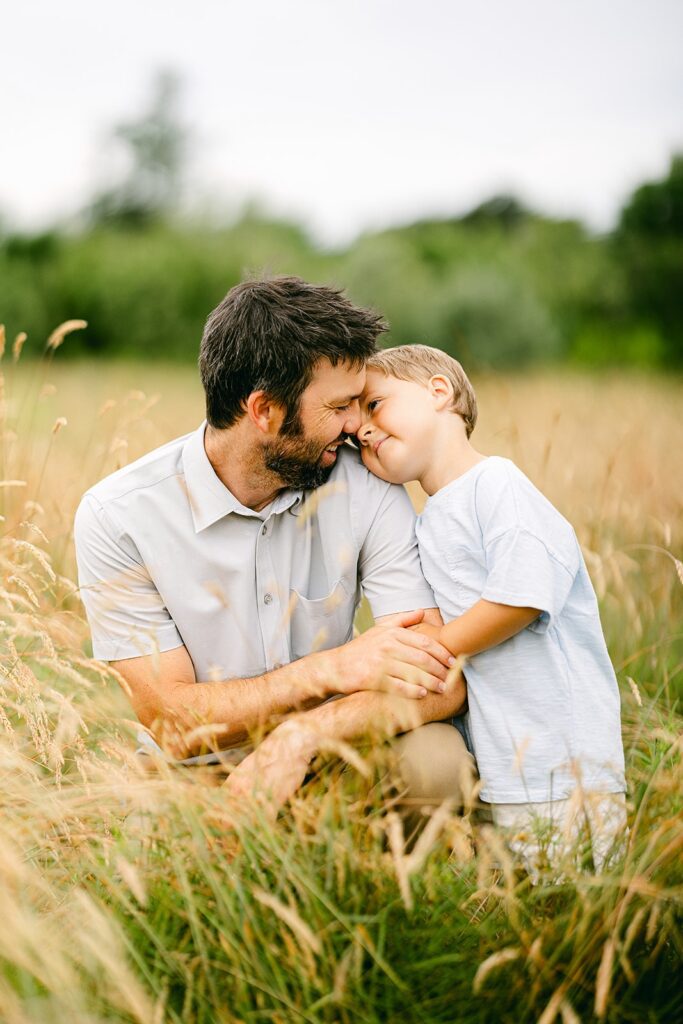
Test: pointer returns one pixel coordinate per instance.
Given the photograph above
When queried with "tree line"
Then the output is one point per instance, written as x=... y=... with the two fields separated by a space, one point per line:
x=501 y=286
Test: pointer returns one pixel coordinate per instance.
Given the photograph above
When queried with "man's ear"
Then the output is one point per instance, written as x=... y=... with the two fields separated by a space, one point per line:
x=441 y=390
x=265 y=413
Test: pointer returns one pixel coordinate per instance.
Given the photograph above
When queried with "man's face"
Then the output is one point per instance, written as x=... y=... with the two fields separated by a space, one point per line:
x=304 y=454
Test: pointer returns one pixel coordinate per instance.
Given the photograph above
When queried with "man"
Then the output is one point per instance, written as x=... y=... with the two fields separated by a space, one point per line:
x=234 y=557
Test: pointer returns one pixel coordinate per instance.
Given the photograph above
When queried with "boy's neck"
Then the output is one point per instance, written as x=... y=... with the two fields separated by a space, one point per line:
x=450 y=458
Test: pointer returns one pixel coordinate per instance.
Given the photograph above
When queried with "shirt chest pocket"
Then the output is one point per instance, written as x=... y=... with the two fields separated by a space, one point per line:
x=323 y=623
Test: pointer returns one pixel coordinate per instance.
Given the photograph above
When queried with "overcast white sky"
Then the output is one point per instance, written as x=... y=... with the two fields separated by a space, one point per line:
x=350 y=114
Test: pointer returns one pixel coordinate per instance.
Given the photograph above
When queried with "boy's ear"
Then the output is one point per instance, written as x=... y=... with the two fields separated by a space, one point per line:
x=441 y=390
x=265 y=413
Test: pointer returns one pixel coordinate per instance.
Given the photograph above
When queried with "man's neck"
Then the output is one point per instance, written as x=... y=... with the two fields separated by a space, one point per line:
x=239 y=466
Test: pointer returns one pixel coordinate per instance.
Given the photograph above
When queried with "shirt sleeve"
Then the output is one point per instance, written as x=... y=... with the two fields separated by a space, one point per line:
x=126 y=613
x=522 y=572
x=389 y=564
x=531 y=551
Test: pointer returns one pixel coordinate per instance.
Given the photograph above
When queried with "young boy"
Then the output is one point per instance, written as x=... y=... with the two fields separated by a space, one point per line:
x=510 y=581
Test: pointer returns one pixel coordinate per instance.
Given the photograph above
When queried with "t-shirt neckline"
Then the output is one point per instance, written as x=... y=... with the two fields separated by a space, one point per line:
x=461 y=480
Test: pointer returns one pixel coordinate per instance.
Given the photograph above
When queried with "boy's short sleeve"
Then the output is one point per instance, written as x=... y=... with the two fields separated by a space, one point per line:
x=532 y=555
x=126 y=613
x=522 y=572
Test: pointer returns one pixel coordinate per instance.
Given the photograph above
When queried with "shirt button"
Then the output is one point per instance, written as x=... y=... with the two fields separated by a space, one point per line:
x=264 y=530
x=268 y=599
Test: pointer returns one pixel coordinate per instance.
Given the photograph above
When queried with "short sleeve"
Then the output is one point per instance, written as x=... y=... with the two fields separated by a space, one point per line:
x=524 y=573
x=531 y=551
x=126 y=613
x=389 y=564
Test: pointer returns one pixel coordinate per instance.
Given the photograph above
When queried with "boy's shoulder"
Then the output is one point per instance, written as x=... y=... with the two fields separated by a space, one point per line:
x=487 y=479
x=496 y=490
x=499 y=475
x=507 y=498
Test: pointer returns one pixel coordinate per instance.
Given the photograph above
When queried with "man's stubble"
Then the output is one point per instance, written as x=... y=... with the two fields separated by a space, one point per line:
x=295 y=458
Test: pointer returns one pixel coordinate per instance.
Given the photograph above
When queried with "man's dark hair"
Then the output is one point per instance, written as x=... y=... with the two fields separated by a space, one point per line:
x=267 y=335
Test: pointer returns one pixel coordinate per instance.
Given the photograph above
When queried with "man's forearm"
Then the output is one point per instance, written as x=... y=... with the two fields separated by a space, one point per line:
x=188 y=717
x=213 y=715
x=379 y=714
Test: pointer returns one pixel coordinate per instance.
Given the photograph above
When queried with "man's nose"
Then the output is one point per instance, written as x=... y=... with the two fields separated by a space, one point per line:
x=353 y=420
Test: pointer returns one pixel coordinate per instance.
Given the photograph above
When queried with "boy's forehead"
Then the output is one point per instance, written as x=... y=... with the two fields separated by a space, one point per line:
x=373 y=378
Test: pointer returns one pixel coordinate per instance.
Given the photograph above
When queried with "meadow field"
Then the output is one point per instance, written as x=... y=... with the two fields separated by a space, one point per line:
x=135 y=897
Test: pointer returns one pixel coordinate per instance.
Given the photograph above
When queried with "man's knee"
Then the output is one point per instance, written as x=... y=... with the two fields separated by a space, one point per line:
x=435 y=765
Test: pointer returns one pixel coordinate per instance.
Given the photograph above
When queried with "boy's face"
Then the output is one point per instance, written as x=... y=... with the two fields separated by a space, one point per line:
x=397 y=427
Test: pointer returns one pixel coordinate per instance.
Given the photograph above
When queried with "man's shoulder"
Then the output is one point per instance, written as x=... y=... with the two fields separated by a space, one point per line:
x=149 y=471
x=361 y=486
x=351 y=469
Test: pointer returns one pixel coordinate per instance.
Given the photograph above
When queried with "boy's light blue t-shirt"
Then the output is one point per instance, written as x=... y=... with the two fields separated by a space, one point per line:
x=544 y=705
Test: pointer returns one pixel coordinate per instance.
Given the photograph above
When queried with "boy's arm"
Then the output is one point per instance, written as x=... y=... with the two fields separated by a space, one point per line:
x=485 y=625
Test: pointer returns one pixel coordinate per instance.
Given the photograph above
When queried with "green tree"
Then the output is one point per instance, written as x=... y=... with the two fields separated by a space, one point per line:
x=650 y=245
x=154 y=148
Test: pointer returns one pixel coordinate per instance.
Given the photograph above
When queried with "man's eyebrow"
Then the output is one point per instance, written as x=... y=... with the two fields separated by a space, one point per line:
x=347 y=398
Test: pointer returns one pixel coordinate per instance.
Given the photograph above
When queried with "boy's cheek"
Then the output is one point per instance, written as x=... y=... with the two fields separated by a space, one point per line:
x=377 y=471
x=371 y=463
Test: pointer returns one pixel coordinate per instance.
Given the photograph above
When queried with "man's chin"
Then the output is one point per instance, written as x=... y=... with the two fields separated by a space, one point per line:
x=300 y=476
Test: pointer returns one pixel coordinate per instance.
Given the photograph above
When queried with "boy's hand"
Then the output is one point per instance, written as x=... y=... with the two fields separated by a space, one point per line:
x=393 y=658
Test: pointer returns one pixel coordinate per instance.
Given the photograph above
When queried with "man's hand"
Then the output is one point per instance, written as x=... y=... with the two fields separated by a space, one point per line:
x=275 y=770
x=391 y=657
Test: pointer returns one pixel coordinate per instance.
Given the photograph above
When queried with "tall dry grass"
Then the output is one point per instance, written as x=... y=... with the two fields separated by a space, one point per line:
x=129 y=897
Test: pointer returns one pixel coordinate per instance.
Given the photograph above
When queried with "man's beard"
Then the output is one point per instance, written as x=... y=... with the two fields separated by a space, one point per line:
x=296 y=458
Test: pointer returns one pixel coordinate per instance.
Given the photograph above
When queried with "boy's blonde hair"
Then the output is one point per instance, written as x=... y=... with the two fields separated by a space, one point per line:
x=419 y=363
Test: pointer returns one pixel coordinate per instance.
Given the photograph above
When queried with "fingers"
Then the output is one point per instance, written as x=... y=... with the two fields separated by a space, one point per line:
x=430 y=646
x=402 y=688
x=416 y=677
x=417 y=666
x=418 y=662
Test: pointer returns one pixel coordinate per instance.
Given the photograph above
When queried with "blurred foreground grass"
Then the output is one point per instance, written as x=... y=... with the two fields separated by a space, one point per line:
x=125 y=897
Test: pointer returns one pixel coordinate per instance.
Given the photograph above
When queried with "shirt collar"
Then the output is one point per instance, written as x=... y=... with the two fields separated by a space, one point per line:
x=210 y=500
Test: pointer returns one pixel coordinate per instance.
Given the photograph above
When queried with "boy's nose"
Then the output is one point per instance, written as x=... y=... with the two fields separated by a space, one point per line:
x=364 y=432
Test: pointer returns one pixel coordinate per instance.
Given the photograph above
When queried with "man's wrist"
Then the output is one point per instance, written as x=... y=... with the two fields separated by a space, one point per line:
x=301 y=739
x=316 y=676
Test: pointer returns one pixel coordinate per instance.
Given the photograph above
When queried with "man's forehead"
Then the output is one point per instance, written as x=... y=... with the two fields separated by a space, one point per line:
x=344 y=380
